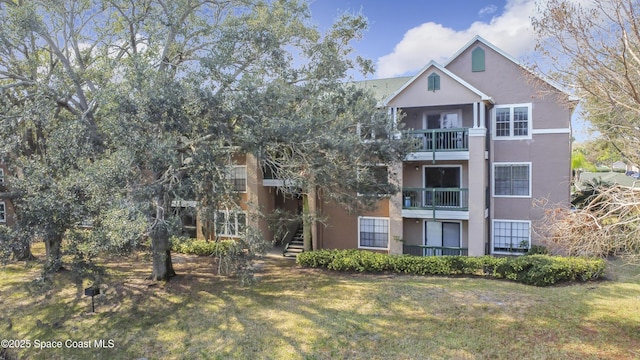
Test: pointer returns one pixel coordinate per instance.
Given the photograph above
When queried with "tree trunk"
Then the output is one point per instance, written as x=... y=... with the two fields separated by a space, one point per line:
x=160 y=245
x=53 y=247
x=22 y=251
x=306 y=223
x=162 y=265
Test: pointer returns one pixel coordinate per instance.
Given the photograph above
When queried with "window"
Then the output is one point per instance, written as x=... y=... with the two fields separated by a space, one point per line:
x=230 y=223
x=433 y=82
x=512 y=121
x=477 y=59
x=1 y=176
x=238 y=178
x=373 y=233
x=3 y=213
x=512 y=179
x=511 y=237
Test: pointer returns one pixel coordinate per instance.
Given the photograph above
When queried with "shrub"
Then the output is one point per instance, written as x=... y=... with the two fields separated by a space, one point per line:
x=538 y=270
x=184 y=245
x=538 y=249
x=316 y=259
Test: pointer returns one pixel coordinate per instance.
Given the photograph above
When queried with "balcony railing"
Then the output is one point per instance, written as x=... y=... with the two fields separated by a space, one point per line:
x=435 y=199
x=434 y=140
x=423 y=250
x=269 y=173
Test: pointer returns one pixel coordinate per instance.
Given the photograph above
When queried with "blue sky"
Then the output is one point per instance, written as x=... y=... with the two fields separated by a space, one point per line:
x=404 y=35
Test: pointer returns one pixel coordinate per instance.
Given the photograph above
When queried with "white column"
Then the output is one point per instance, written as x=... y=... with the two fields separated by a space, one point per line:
x=483 y=112
x=475 y=115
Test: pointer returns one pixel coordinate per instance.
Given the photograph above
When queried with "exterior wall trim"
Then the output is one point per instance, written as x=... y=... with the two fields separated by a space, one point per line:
x=444 y=155
x=448 y=73
x=439 y=214
x=550 y=131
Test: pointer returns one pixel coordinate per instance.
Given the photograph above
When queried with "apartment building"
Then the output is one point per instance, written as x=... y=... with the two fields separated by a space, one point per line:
x=491 y=139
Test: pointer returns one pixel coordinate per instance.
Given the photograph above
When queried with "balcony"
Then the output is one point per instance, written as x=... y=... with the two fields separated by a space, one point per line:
x=440 y=144
x=422 y=250
x=270 y=176
x=436 y=203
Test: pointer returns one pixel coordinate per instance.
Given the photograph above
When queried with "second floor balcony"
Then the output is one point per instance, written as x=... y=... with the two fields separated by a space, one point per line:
x=428 y=140
x=440 y=144
x=448 y=203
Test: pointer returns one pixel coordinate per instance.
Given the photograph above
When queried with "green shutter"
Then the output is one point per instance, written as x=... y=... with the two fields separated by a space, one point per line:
x=434 y=82
x=477 y=59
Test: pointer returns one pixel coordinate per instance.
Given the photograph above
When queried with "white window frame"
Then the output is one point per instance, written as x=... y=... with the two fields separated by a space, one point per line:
x=228 y=216
x=3 y=212
x=493 y=179
x=493 y=236
x=511 y=136
x=360 y=218
x=1 y=176
x=232 y=177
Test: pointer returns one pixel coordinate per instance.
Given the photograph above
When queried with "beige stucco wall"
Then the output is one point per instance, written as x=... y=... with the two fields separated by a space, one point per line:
x=550 y=172
x=549 y=154
x=340 y=230
x=417 y=94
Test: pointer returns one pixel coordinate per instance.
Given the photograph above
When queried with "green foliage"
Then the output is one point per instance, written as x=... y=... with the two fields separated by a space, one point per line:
x=6 y=242
x=537 y=270
x=579 y=161
x=543 y=270
x=537 y=250
x=184 y=245
x=138 y=108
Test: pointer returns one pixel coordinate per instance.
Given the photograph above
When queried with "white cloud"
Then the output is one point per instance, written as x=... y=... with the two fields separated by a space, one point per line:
x=487 y=10
x=510 y=31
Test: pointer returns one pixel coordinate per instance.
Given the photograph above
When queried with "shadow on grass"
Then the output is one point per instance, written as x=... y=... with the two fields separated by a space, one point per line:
x=294 y=313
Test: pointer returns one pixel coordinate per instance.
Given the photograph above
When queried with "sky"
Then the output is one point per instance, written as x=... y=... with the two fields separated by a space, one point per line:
x=404 y=35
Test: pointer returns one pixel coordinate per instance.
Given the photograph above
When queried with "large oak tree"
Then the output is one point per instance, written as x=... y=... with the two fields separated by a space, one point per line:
x=110 y=108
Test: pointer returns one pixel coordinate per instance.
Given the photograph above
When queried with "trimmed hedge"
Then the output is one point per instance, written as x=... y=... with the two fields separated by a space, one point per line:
x=538 y=270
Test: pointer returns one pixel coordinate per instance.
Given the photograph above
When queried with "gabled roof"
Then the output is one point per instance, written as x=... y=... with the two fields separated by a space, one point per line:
x=382 y=88
x=433 y=64
x=512 y=59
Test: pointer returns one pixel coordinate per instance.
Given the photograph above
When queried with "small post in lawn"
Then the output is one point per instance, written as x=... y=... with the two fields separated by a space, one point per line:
x=92 y=291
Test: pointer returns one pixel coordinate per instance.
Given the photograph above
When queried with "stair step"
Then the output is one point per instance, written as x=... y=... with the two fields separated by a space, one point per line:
x=296 y=245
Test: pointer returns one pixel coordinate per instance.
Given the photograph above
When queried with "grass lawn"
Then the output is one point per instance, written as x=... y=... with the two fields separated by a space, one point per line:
x=294 y=313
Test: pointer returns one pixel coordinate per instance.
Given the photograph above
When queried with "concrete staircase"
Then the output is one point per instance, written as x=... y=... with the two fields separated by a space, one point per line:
x=296 y=245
